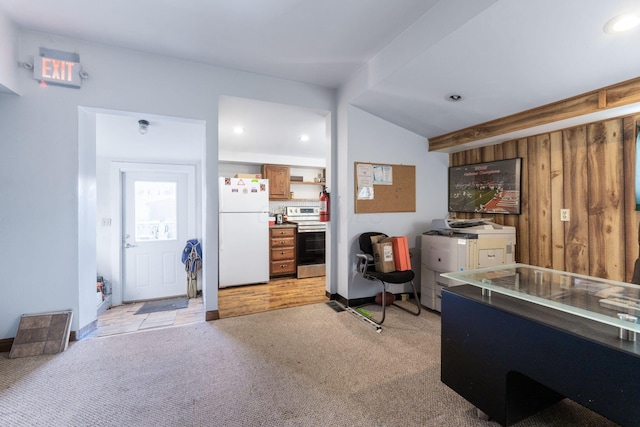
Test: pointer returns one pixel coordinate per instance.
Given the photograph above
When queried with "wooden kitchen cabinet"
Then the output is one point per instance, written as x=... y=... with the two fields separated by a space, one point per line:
x=282 y=251
x=278 y=177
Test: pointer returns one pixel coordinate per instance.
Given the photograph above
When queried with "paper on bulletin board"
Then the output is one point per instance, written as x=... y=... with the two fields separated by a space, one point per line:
x=382 y=175
x=364 y=174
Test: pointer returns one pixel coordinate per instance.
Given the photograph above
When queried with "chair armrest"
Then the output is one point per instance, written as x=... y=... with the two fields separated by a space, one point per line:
x=365 y=257
x=363 y=262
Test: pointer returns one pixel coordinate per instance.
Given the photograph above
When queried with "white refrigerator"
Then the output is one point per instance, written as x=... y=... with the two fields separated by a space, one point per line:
x=243 y=231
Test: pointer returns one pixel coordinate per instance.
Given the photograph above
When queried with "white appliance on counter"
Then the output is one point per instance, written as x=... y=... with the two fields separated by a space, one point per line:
x=458 y=245
x=243 y=231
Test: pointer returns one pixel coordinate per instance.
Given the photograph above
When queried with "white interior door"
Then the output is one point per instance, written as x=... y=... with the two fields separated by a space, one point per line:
x=155 y=227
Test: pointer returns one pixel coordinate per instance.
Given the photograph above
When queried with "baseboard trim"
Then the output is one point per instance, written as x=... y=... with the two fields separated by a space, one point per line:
x=212 y=315
x=5 y=345
x=83 y=332
x=355 y=302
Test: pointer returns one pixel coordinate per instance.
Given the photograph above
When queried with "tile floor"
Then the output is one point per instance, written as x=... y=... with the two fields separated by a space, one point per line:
x=122 y=319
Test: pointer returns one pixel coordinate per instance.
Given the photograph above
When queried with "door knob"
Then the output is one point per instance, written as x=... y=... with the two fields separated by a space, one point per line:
x=129 y=245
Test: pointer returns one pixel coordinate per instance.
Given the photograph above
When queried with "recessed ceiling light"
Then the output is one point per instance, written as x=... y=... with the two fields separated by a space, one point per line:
x=453 y=97
x=238 y=130
x=622 y=23
x=304 y=138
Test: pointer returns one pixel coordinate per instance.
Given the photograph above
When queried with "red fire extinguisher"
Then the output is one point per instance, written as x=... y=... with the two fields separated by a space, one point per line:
x=324 y=206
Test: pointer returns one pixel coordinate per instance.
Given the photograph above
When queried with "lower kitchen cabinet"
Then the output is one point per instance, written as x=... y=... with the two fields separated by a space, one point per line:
x=282 y=251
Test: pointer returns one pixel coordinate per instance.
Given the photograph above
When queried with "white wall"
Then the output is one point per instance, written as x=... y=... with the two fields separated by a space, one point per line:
x=8 y=56
x=231 y=169
x=46 y=259
x=302 y=192
x=371 y=139
x=47 y=173
x=85 y=249
x=271 y=159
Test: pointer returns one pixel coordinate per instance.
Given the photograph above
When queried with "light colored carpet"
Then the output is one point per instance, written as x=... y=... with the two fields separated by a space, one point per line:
x=303 y=366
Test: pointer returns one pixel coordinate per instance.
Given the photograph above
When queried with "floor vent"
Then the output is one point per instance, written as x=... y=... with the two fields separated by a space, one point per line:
x=335 y=305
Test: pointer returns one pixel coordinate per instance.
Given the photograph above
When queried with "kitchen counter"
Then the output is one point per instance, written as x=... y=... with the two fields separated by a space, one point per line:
x=284 y=225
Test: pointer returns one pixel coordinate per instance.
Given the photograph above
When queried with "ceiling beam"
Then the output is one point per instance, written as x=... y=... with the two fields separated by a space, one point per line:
x=613 y=96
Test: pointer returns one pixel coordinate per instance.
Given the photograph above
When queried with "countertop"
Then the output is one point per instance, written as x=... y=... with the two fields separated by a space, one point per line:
x=284 y=225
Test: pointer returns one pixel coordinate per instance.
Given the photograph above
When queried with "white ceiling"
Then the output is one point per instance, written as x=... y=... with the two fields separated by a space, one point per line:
x=513 y=56
x=502 y=56
x=168 y=139
x=320 y=42
x=271 y=129
x=271 y=135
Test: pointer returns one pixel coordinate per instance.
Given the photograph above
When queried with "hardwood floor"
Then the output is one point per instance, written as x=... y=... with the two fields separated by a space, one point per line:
x=278 y=293
x=122 y=319
x=235 y=301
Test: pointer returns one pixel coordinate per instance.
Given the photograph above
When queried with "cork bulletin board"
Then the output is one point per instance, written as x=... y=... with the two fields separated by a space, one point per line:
x=393 y=189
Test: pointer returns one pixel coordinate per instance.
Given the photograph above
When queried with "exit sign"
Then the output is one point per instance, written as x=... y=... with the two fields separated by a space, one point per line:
x=58 y=68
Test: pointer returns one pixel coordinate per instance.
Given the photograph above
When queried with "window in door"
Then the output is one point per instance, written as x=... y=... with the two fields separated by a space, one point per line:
x=155 y=211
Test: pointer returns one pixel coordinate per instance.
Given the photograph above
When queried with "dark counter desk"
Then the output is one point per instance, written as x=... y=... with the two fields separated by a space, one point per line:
x=511 y=357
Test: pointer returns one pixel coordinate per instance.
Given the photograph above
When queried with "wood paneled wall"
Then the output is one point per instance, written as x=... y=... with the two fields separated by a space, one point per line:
x=588 y=169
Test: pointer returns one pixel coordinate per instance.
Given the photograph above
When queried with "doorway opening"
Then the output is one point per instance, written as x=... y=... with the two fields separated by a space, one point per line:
x=252 y=134
x=148 y=204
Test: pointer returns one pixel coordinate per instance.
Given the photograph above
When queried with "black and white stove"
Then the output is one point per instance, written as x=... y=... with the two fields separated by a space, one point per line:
x=310 y=240
x=307 y=219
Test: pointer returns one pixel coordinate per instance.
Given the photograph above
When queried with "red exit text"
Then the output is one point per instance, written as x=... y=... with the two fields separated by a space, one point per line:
x=56 y=69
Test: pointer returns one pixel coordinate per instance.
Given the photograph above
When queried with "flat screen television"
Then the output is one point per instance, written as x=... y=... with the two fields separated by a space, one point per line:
x=488 y=188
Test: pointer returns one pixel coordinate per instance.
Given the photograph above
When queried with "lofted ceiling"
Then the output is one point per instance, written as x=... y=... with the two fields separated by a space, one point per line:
x=501 y=56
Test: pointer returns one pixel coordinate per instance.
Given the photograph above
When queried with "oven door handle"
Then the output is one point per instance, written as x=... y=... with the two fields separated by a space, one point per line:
x=312 y=230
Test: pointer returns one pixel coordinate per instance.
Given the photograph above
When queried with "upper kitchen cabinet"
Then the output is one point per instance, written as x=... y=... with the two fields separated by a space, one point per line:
x=278 y=177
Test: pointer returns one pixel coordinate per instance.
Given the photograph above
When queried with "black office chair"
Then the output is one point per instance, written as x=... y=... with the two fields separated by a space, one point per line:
x=366 y=267
x=636 y=273
x=636 y=267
